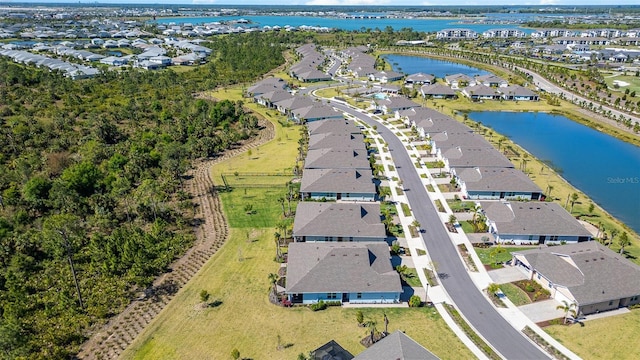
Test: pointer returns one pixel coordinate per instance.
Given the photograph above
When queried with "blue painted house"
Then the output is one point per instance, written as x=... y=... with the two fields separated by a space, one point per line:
x=357 y=273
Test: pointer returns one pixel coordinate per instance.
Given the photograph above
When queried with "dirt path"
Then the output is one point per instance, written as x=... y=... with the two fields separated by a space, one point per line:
x=211 y=231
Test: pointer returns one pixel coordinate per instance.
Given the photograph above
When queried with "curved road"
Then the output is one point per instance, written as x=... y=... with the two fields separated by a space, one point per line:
x=550 y=87
x=509 y=342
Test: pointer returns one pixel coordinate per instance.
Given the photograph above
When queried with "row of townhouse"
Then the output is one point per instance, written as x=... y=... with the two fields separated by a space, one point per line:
x=602 y=35
x=309 y=68
x=339 y=251
x=487 y=176
x=73 y=71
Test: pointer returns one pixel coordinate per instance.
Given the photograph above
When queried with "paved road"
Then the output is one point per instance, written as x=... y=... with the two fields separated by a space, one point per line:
x=548 y=86
x=454 y=277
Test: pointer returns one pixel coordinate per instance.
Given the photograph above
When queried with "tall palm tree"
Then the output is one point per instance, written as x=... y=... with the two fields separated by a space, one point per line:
x=277 y=237
x=273 y=279
x=623 y=241
x=569 y=309
x=574 y=198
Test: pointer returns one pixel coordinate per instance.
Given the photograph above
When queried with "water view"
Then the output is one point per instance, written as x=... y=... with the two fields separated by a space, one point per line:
x=421 y=25
x=439 y=68
x=603 y=167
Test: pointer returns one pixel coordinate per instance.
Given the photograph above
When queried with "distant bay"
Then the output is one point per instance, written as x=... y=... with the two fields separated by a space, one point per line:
x=420 y=25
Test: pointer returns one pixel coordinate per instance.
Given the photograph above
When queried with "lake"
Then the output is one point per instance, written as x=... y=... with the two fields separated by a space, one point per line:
x=603 y=167
x=439 y=68
x=421 y=25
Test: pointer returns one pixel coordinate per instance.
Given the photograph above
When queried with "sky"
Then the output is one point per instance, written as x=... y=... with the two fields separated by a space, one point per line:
x=354 y=2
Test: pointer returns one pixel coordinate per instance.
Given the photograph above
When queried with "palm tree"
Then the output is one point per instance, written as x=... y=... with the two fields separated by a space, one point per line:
x=549 y=188
x=569 y=309
x=476 y=213
x=623 y=241
x=273 y=280
x=281 y=202
x=440 y=164
x=277 y=237
x=493 y=288
x=574 y=198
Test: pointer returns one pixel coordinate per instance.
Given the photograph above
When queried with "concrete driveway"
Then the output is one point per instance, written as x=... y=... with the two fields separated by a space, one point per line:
x=506 y=275
x=542 y=310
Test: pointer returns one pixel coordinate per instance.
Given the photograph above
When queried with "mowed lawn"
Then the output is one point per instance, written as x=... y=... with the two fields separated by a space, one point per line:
x=236 y=276
x=614 y=337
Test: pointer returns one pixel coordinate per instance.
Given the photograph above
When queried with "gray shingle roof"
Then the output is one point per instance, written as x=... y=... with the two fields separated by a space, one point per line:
x=295 y=102
x=338 y=220
x=496 y=179
x=331 y=351
x=538 y=218
x=437 y=89
x=317 y=111
x=420 y=77
x=396 y=346
x=336 y=141
x=336 y=159
x=340 y=267
x=449 y=139
x=338 y=126
x=593 y=274
x=463 y=156
x=337 y=180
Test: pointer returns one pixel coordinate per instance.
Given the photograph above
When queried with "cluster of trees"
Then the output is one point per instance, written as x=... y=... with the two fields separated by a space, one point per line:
x=92 y=200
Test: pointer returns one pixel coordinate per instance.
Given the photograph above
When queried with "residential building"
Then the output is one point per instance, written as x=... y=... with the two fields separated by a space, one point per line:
x=337 y=159
x=337 y=141
x=338 y=184
x=333 y=126
x=588 y=274
x=437 y=91
x=338 y=222
x=495 y=183
x=358 y=273
x=532 y=223
x=420 y=79
x=396 y=346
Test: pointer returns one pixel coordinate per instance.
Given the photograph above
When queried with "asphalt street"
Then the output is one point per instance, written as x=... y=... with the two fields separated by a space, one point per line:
x=454 y=277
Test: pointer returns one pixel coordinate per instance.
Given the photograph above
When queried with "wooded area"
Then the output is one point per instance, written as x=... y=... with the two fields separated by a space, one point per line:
x=92 y=206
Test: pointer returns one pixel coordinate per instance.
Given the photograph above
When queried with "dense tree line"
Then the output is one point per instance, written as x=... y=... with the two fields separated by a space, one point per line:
x=92 y=203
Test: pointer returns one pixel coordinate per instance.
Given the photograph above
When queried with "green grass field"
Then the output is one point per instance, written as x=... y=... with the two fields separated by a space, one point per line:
x=633 y=81
x=613 y=337
x=515 y=294
x=505 y=255
x=237 y=276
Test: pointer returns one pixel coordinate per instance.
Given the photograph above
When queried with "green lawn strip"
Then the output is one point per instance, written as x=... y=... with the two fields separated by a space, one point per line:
x=467 y=227
x=614 y=337
x=431 y=277
x=406 y=210
x=266 y=210
x=485 y=254
x=412 y=279
x=439 y=205
x=517 y=296
x=459 y=205
x=481 y=344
